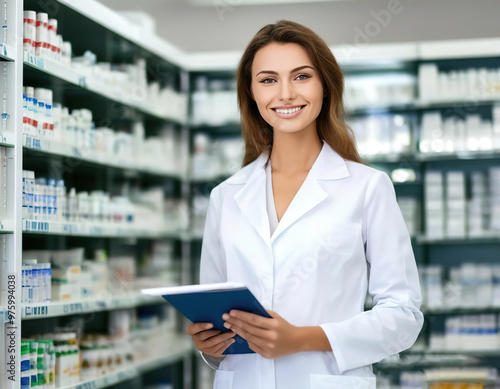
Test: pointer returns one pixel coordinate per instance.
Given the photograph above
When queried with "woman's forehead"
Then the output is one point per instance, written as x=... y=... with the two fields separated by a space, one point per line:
x=280 y=58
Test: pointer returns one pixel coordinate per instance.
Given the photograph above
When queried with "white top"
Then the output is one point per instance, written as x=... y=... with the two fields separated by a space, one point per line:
x=214 y=362
x=341 y=237
x=271 y=208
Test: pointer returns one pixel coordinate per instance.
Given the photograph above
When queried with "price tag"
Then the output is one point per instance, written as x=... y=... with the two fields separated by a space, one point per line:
x=74 y=228
x=87 y=385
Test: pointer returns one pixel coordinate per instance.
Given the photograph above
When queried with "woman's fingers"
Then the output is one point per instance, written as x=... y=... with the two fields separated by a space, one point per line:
x=204 y=335
x=195 y=328
x=215 y=342
x=221 y=348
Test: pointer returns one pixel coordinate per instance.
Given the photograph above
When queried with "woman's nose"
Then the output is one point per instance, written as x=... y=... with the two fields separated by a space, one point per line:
x=287 y=91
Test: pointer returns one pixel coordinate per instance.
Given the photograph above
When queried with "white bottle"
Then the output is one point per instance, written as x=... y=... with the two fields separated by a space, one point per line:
x=32 y=124
x=72 y=210
x=31 y=194
x=52 y=199
x=48 y=122
x=42 y=20
x=40 y=112
x=60 y=201
x=52 y=38
x=48 y=279
x=31 y=280
x=83 y=206
x=57 y=122
x=25 y=111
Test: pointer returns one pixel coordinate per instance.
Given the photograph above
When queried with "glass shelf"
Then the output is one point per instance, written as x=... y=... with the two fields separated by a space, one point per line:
x=91 y=304
x=180 y=347
x=46 y=146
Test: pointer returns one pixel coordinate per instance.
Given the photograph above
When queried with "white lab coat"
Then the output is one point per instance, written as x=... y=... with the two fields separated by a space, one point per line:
x=342 y=235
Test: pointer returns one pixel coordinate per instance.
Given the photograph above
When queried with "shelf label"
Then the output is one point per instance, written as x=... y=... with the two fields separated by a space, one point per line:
x=87 y=385
x=82 y=82
x=38 y=311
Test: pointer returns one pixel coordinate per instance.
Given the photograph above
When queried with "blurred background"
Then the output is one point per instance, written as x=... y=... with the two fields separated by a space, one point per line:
x=118 y=119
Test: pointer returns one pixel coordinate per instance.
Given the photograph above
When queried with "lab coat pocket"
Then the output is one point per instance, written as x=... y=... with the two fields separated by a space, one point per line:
x=326 y=381
x=223 y=379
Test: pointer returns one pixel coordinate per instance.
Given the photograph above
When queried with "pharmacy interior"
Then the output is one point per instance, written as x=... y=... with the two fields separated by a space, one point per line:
x=111 y=140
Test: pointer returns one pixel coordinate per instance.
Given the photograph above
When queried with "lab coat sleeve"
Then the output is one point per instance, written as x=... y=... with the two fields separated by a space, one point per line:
x=394 y=322
x=212 y=262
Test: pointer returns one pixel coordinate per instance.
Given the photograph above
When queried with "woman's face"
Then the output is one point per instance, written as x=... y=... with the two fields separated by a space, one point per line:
x=277 y=82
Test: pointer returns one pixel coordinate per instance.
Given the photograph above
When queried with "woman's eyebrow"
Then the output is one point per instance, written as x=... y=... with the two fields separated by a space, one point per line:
x=291 y=71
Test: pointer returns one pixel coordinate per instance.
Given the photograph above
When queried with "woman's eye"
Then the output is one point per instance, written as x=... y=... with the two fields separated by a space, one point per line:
x=300 y=75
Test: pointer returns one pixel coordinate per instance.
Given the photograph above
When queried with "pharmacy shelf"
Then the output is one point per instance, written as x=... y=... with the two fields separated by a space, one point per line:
x=91 y=304
x=457 y=104
x=63 y=73
x=381 y=109
x=112 y=21
x=388 y=158
x=182 y=347
x=6 y=226
x=464 y=155
x=458 y=380
x=7 y=53
x=46 y=146
x=460 y=311
x=179 y=348
x=104 y=230
x=421 y=361
x=7 y=139
x=476 y=240
x=474 y=353
x=4 y=315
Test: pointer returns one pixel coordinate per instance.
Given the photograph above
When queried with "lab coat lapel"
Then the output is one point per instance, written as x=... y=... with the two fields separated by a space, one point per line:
x=328 y=165
x=251 y=198
x=309 y=195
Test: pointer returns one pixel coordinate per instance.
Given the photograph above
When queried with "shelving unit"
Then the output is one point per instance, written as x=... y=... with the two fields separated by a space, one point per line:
x=180 y=349
x=96 y=304
x=123 y=42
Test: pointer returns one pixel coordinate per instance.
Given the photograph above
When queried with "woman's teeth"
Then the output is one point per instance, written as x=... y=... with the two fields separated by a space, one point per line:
x=289 y=110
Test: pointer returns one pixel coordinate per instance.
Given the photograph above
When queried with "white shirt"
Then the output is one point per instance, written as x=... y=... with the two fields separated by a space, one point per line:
x=342 y=235
x=214 y=362
x=271 y=207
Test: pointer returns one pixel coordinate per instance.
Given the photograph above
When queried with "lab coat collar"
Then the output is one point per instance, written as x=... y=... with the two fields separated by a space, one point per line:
x=251 y=198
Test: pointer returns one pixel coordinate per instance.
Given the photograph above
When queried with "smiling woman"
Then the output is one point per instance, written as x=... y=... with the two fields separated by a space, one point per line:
x=286 y=59
x=309 y=229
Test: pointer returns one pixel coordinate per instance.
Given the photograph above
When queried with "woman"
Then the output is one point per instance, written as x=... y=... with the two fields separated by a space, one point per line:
x=309 y=229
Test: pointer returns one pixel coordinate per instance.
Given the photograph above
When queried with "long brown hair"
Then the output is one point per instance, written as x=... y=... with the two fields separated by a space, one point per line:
x=330 y=124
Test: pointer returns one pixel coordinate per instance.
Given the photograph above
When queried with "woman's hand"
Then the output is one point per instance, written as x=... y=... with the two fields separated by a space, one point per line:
x=211 y=342
x=270 y=338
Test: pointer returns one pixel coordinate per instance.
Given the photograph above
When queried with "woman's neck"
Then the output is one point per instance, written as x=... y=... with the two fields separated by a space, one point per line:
x=294 y=153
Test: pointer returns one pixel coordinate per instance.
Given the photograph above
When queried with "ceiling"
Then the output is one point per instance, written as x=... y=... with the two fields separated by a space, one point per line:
x=228 y=25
